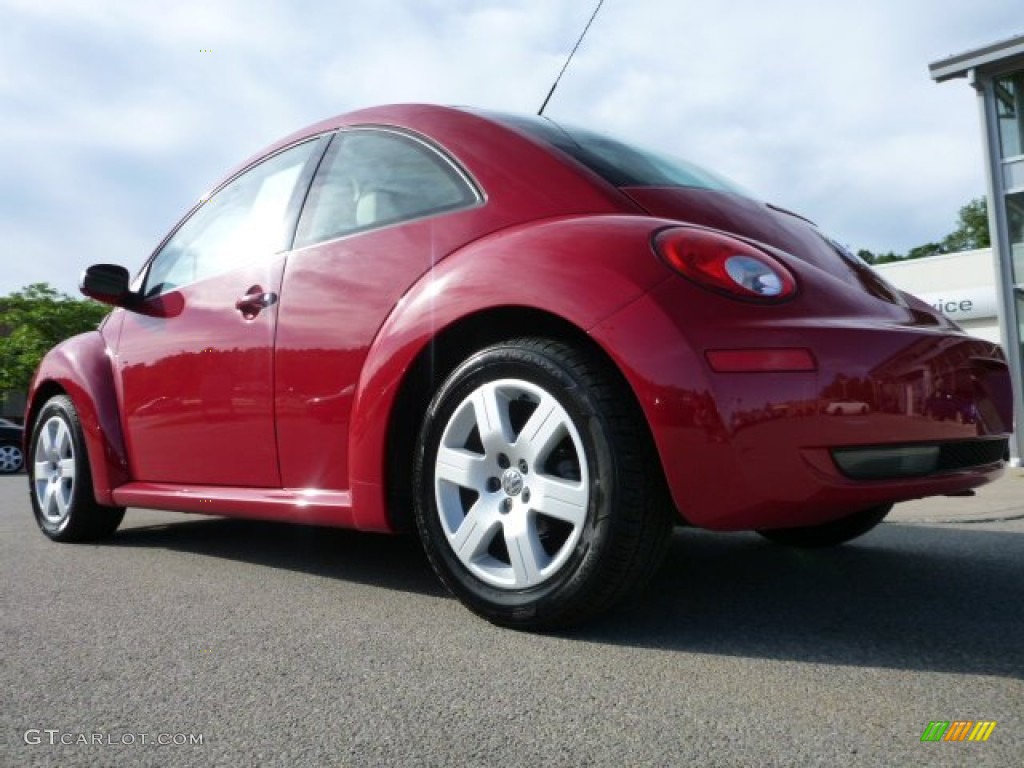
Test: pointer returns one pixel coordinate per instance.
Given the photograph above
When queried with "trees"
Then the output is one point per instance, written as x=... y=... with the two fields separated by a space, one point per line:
x=971 y=233
x=34 y=319
x=879 y=258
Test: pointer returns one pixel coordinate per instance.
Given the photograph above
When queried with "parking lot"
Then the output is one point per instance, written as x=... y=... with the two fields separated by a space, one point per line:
x=242 y=643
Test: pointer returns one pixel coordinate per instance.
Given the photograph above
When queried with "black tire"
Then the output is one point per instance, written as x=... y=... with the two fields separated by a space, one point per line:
x=11 y=457
x=62 y=497
x=830 y=534
x=598 y=521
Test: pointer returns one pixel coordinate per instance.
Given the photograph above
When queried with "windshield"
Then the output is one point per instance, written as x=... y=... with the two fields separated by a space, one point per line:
x=619 y=163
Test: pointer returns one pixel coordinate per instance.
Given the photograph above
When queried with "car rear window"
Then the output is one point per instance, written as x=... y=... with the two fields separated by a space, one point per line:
x=620 y=163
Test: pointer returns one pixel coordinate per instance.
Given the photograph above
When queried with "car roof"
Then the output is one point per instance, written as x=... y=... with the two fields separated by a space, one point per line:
x=503 y=159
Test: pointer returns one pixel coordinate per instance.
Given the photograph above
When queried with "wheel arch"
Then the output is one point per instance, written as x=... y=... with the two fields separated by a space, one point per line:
x=81 y=369
x=435 y=362
x=579 y=271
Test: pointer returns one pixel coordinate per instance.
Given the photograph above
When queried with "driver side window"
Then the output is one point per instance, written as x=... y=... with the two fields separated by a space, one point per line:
x=245 y=221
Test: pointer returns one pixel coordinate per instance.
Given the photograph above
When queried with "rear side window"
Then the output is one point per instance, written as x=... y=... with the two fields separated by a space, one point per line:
x=374 y=177
x=619 y=163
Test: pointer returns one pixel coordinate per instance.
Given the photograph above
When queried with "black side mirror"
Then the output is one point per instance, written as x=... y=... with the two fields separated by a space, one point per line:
x=108 y=283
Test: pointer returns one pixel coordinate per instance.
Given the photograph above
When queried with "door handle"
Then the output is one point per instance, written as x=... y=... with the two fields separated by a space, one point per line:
x=255 y=300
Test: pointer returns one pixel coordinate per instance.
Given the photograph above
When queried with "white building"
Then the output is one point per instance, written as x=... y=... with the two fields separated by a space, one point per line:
x=960 y=285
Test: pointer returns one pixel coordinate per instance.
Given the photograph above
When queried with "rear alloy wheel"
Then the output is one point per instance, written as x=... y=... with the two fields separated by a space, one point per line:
x=539 y=498
x=11 y=458
x=830 y=534
x=60 y=481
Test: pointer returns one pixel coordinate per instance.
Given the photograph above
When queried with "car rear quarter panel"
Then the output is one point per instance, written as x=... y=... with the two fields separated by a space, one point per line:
x=581 y=269
x=81 y=368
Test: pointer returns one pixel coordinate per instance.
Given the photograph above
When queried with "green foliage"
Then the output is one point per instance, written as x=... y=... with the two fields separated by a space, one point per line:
x=924 y=251
x=878 y=258
x=971 y=233
x=32 y=321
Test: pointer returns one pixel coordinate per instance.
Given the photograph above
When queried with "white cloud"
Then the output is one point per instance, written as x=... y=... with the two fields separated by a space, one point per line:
x=115 y=121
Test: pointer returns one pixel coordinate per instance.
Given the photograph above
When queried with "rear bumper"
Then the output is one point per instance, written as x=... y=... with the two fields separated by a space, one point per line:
x=758 y=450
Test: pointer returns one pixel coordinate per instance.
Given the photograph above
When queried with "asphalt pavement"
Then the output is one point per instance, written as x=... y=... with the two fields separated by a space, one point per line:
x=247 y=643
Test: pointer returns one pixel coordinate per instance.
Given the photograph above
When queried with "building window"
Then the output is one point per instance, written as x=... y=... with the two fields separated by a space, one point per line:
x=1010 y=112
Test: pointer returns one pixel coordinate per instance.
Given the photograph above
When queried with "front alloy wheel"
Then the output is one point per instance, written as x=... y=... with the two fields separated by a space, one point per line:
x=61 y=485
x=538 y=497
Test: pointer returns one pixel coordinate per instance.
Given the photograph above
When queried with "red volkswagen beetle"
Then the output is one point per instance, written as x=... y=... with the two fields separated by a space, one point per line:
x=538 y=346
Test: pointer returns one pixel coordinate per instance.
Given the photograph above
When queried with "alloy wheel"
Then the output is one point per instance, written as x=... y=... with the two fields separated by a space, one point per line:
x=55 y=468
x=10 y=459
x=511 y=484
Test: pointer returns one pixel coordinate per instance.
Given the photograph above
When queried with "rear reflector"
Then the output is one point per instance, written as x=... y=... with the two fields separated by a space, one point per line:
x=894 y=462
x=887 y=463
x=760 y=360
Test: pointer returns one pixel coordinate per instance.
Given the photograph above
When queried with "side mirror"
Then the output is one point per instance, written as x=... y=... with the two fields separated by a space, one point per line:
x=108 y=283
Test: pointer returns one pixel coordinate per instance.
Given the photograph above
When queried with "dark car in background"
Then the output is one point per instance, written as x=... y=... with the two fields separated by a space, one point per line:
x=12 y=457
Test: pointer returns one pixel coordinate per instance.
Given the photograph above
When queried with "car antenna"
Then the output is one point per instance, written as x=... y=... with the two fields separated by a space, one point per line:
x=540 y=112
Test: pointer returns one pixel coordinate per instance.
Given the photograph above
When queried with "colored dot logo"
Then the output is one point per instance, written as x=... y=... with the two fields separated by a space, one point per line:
x=206 y=50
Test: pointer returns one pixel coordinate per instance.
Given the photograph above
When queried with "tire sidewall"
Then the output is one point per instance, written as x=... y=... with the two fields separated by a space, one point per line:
x=559 y=591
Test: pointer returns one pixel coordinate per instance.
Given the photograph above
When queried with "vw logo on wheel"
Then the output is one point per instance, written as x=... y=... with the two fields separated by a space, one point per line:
x=512 y=482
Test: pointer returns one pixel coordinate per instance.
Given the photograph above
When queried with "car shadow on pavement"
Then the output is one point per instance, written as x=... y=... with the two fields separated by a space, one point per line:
x=916 y=597
x=391 y=562
x=936 y=598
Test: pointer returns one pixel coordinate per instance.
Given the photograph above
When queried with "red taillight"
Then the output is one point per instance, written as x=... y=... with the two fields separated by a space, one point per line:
x=725 y=264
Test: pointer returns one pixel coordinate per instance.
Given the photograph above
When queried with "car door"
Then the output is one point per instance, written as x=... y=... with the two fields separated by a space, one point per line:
x=196 y=363
x=384 y=206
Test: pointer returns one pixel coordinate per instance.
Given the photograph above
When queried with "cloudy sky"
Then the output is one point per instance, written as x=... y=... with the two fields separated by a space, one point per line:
x=115 y=115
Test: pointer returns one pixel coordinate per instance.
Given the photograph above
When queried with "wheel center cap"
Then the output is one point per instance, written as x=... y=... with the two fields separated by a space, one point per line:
x=512 y=482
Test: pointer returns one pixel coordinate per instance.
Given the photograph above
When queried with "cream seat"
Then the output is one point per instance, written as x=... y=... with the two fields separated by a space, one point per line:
x=375 y=206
